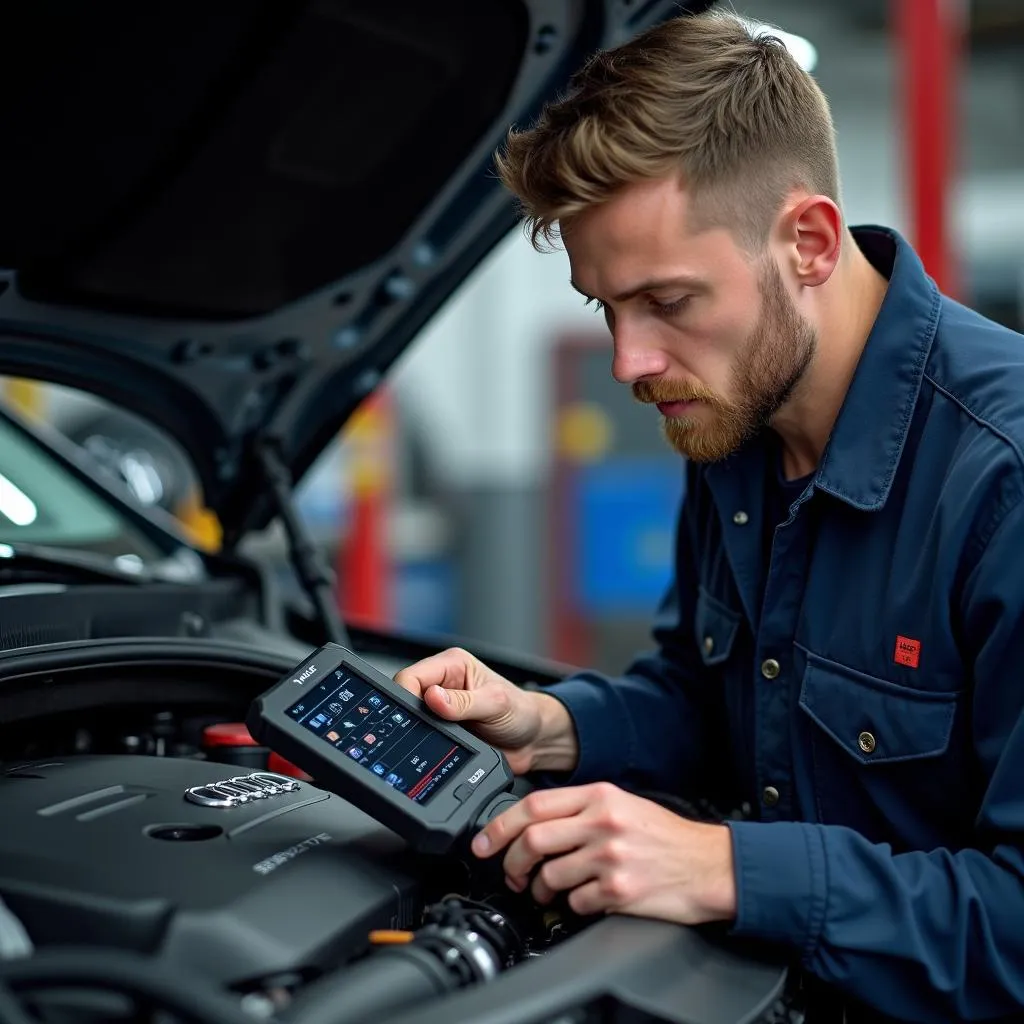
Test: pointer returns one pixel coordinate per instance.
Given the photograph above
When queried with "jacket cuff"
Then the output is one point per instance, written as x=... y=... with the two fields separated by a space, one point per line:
x=781 y=882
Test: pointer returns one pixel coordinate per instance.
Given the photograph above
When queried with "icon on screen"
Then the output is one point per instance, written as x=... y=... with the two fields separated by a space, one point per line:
x=374 y=700
x=335 y=708
x=379 y=769
x=393 y=780
x=398 y=717
x=345 y=695
x=349 y=725
x=318 y=722
x=364 y=711
x=332 y=736
x=369 y=739
x=355 y=753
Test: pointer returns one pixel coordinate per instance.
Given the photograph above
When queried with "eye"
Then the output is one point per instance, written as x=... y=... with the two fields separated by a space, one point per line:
x=670 y=308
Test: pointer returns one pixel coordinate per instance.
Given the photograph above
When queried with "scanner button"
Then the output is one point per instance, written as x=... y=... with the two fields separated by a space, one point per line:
x=499 y=807
x=462 y=792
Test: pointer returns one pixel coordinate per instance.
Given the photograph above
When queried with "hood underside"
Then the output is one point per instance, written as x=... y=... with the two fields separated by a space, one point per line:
x=232 y=217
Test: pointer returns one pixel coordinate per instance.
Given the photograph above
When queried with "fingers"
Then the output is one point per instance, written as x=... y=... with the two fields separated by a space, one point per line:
x=542 y=805
x=563 y=873
x=538 y=841
x=592 y=898
x=576 y=835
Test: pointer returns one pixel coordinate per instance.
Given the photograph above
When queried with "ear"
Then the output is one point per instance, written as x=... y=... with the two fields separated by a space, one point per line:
x=812 y=232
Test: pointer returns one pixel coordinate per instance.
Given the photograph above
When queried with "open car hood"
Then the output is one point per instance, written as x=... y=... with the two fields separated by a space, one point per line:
x=231 y=218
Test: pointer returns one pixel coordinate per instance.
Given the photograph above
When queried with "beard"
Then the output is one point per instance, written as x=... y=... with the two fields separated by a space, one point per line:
x=770 y=366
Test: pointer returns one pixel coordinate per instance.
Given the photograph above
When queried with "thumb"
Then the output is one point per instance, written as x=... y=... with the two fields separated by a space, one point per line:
x=480 y=705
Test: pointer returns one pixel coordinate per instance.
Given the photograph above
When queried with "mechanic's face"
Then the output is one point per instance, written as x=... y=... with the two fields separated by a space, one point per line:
x=700 y=328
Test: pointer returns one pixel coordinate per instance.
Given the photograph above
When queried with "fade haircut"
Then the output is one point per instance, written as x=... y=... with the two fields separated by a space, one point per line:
x=704 y=97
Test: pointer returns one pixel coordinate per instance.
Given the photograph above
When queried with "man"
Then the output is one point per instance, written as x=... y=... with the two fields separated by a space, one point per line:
x=842 y=644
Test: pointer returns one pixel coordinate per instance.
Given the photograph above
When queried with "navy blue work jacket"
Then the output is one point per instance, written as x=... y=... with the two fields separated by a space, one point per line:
x=862 y=688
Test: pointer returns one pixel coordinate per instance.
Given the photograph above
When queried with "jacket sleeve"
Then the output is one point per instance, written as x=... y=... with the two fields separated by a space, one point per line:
x=925 y=936
x=646 y=728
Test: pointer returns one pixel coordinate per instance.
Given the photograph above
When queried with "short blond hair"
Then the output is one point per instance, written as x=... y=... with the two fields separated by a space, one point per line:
x=727 y=109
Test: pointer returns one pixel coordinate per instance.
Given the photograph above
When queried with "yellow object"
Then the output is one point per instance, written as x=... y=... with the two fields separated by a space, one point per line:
x=367 y=441
x=584 y=432
x=200 y=524
x=25 y=396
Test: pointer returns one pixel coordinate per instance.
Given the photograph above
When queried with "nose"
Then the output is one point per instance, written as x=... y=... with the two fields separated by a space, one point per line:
x=635 y=356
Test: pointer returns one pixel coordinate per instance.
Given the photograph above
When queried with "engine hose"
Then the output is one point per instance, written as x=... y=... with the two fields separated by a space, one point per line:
x=122 y=972
x=389 y=978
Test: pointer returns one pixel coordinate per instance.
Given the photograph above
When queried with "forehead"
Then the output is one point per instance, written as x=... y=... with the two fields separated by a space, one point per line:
x=644 y=232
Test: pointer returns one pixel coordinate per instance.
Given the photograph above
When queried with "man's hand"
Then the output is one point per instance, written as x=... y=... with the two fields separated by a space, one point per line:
x=617 y=853
x=533 y=730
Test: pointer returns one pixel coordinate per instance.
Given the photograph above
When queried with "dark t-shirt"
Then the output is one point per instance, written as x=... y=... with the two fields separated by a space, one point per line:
x=779 y=494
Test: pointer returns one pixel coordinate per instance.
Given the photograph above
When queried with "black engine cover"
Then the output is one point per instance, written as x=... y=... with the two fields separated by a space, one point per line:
x=107 y=851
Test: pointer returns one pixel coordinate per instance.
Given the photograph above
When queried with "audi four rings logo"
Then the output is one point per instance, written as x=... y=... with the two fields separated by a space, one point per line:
x=303 y=676
x=242 y=789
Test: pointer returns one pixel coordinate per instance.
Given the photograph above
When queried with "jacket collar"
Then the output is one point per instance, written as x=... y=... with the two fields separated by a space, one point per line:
x=864 y=449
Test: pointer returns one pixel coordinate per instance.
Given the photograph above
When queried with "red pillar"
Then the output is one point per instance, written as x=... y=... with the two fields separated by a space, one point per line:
x=928 y=35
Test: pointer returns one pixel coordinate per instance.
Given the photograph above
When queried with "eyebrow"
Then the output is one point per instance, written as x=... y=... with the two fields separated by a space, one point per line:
x=687 y=280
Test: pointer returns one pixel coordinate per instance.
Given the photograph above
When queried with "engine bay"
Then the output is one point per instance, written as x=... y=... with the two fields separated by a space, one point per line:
x=287 y=903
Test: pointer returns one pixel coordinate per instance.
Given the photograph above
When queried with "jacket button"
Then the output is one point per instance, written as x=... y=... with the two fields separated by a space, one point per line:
x=770 y=668
x=740 y=518
x=866 y=742
x=770 y=796
x=709 y=644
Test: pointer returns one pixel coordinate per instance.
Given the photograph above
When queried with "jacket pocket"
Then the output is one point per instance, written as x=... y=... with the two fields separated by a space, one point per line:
x=715 y=627
x=875 y=721
x=888 y=760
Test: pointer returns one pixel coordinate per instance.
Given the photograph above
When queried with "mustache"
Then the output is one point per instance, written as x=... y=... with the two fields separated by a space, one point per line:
x=653 y=392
